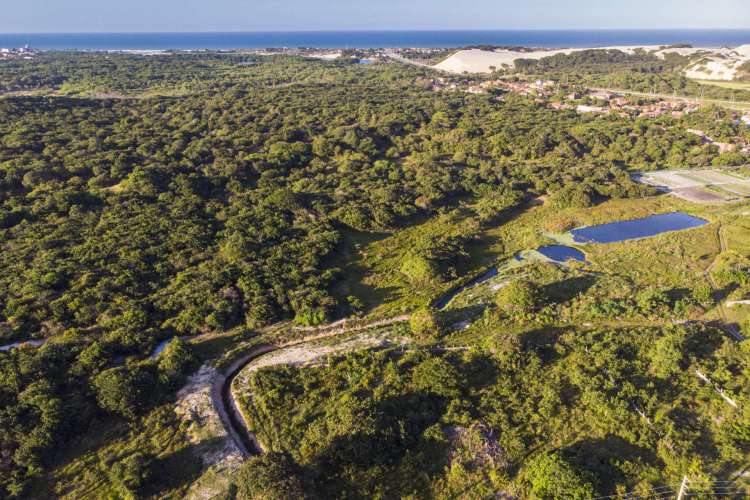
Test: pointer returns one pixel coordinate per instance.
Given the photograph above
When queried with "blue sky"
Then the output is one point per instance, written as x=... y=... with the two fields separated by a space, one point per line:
x=22 y=16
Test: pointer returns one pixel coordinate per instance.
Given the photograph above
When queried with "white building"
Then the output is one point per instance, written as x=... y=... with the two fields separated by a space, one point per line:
x=590 y=109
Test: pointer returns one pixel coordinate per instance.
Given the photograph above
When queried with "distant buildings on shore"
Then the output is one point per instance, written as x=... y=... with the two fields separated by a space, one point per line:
x=24 y=52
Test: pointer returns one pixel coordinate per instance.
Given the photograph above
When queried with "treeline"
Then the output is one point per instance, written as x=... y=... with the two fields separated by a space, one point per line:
x=175 y=73
x=602 y=61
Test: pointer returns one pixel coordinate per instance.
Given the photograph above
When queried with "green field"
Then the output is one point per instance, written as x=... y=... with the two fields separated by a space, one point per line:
x=725 y=84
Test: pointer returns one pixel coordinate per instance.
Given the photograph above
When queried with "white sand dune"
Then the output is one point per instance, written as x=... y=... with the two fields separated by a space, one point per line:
x=330 y=56
x=718 y=64
x=479 y=61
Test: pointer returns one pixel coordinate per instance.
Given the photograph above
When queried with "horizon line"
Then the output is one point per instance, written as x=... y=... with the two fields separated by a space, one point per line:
x=383 y=30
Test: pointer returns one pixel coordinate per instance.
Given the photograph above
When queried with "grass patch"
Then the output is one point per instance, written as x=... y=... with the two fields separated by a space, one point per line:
x=725 y=84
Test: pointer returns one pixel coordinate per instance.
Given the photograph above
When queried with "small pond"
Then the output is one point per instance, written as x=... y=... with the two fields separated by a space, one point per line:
x=8 y=347
x=561 y=253
x=445 y=300
x=637 y=228
x=160 y=348
x=366 y=61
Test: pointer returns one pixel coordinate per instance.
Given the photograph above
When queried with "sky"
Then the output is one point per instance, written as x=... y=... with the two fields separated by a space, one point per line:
x=59 y=16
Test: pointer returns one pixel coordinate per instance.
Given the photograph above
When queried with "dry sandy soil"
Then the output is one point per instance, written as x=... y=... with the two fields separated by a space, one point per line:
x=219 y=454
x=718 y=64
x=221 y=457
x=699 y=186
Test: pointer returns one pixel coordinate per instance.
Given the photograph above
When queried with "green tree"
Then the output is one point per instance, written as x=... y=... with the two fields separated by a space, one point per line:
x=551 y=477
x=271 y=476
x=573 y=196
x=703 y=293
x=437 y=376
x=419 y=269
x=125 y=390
x=519 y=296
x=174 y=361
x=425 y=323
x=131 y=474
x=666 y=354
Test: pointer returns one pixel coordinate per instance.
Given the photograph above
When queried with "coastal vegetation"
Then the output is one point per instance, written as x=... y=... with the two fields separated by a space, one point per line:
x=213 y=197
x=641 y=72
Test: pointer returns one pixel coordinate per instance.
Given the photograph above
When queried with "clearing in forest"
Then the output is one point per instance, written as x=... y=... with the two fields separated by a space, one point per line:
x=700 y=186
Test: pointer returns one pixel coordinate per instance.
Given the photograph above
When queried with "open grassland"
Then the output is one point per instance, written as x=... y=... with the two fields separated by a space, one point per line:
x=726 y=85
x=88 y=473
x=648 y=280
x=673 y=259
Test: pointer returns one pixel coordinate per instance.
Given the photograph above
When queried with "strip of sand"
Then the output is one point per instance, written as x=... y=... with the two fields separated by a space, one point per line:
x=718 y=63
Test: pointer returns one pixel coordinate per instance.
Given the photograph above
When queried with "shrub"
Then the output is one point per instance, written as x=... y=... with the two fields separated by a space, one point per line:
x=518 y=296
x=174 y=361
x=131 y=474
x=273 y=476
x=436 y=376
x=573 y=196
x=703 y=293
x=551 y=477
x=419 y=270
x=125 y=390
x=425 y=323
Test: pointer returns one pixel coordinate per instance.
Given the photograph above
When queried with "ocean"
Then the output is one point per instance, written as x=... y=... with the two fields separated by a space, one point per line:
x=373 y=39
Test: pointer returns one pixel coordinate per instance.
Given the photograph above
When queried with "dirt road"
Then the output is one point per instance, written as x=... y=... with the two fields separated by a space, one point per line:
x=730 y=328
x=221 y=394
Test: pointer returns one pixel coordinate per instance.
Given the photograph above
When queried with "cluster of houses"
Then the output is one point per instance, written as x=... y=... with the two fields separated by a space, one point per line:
x=603 y=102
x=538 y=88
x=19 y=53
x=593 y=101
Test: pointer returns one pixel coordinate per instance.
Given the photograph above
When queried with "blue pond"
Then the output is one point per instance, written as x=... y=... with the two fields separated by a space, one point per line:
x=637 y=228
x=160 y=348
x=560 y=253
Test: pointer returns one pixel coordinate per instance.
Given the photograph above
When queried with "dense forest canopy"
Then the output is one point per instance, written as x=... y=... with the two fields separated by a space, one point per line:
x=176 y=195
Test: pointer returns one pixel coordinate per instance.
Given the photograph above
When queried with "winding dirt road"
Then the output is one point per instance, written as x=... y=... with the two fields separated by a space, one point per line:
x=730 y=328
x=221 y=393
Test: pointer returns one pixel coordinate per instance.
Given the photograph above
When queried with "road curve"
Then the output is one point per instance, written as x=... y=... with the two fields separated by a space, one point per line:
x=221 y=387
x=226 y=406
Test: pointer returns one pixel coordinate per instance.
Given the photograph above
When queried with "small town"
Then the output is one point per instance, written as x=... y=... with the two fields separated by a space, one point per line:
x=25 y=52
x=589 y=101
